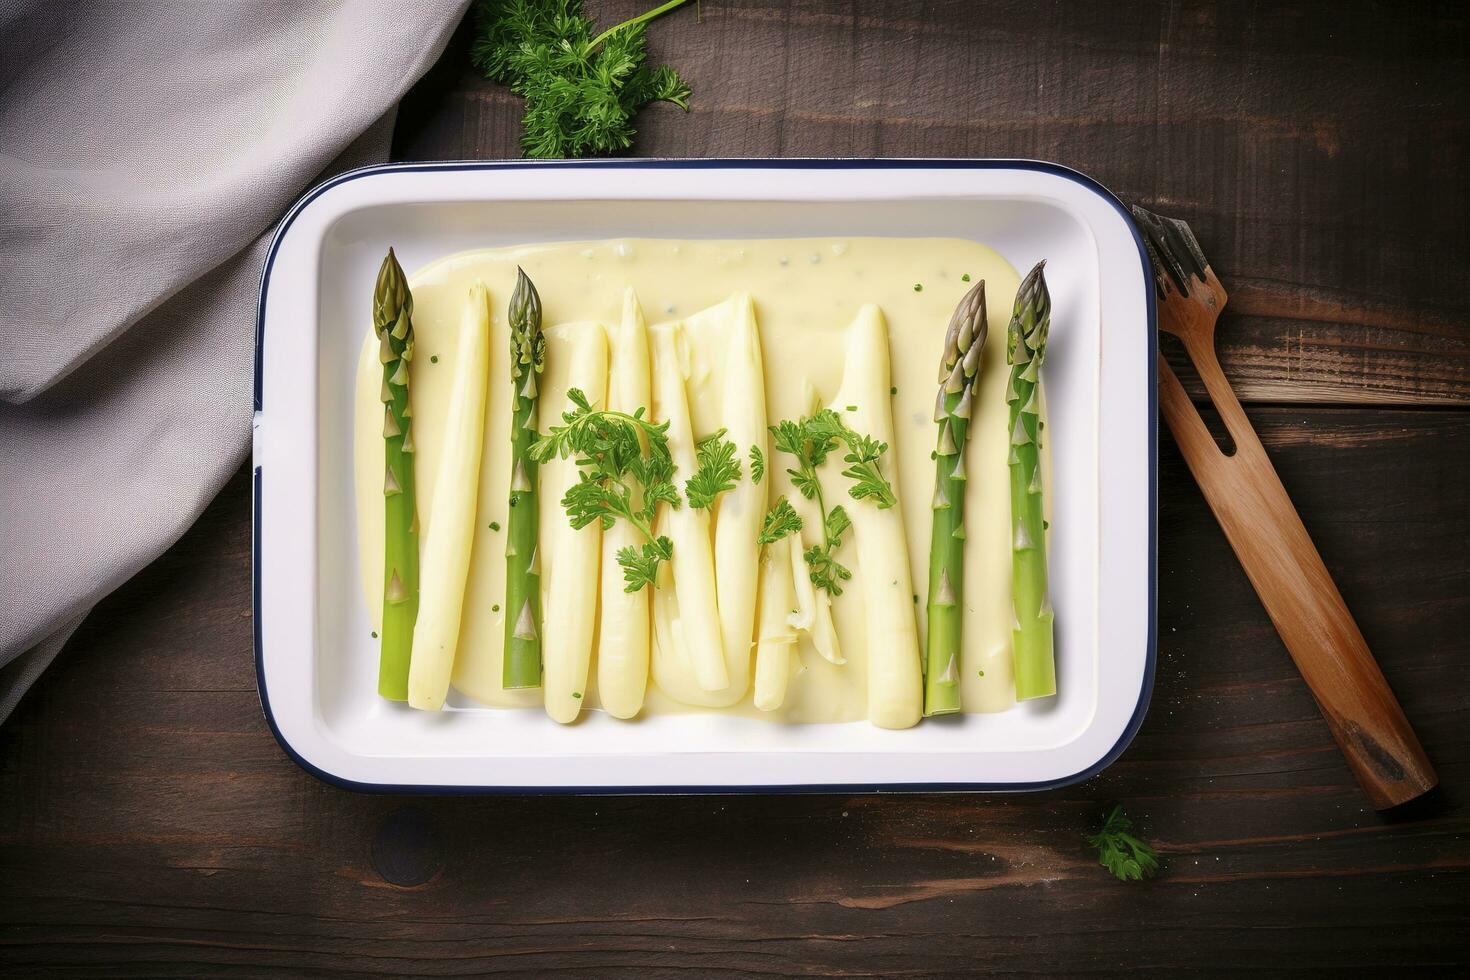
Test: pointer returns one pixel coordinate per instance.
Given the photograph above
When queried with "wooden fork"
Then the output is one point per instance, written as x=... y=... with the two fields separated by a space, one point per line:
x=1269 y=538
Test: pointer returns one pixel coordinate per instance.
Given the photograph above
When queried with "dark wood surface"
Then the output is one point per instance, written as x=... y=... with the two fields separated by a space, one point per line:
x=149 y=824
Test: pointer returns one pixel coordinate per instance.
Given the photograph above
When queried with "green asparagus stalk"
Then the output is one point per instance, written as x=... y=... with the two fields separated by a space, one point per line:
x=958 y=371
x=1025 y=350
x=522 y=664
x=393 y=323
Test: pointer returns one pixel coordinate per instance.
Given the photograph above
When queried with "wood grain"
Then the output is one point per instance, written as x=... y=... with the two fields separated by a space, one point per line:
x=1322 y=167
x=167 y=835
x=149 y=826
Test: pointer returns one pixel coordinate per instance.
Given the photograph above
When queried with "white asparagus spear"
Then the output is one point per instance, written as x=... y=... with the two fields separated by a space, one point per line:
x=895 y=673
x=693 y=572
x=813 y=606
x=451 y=518
x=572 y=572
x=622 y=631
x=738 y=522
x=776 y=638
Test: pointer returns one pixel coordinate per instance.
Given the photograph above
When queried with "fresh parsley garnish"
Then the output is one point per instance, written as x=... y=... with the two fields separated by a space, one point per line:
x=1127 y=857
x=640 y=565
x=619 y=478
x=826 y=571
x=757 y=465
x=863 y=453
x=718 y=471
x=781 y=520
x=811 y=440
x=582 y=91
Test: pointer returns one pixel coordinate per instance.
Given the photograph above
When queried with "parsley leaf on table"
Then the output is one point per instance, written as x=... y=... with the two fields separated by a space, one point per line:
x=1126 y=856
x=582 y=91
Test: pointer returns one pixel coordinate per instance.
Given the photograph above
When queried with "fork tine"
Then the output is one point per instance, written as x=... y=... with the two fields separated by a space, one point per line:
x=1173 y=249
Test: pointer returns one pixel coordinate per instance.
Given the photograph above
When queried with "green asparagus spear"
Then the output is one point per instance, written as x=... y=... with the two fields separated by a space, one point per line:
x=958 y=372
x=1025 y=350
x=393 y=323
x=522 y=663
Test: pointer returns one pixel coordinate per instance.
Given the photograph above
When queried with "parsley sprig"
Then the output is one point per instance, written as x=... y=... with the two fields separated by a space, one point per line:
x=863 y=453
x=626 y=471
x=757 y=465
x=781 y=520
x=718 y=471
x=812 y=441
x=826 y=571
x=1127 y=857
x=582 y=91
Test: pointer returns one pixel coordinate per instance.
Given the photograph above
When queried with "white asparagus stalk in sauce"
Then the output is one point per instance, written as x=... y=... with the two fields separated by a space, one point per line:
x=572 y=566
x=737 y=555
x=776 y=638
x=623 y=630
x=451 y=531
x=813 y=605
x=696 y=627
x=895 y=672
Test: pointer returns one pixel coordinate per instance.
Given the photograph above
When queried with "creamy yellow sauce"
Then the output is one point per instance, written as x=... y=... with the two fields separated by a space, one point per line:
x=806 y=293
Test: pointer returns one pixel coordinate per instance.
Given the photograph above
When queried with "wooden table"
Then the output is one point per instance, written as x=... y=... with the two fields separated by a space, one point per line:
x=150 y=825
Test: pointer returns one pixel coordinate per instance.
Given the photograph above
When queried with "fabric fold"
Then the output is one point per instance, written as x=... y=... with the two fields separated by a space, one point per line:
x=148 y=152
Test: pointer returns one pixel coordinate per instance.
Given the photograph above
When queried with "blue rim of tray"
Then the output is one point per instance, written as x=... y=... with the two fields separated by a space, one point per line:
x=1151 y=653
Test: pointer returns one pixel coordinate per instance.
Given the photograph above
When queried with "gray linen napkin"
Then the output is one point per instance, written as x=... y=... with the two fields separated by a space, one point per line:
x=146 y=152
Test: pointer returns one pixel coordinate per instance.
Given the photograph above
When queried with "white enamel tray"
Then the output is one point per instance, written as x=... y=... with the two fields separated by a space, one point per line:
x=315 y=659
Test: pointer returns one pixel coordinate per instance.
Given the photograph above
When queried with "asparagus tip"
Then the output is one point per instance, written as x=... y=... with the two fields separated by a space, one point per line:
x=391 y=294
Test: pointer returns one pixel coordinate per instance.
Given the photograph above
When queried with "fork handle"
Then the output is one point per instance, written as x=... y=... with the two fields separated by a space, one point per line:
x=1273 y=546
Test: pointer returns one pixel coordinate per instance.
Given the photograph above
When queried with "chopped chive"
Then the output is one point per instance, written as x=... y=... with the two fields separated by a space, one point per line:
x=893 y=390
x=433 y=358
x=494 y=525
x=375 y=634
x=852 y=408
x=966 y=278
x=495 y=608
x=918 y=287
x=577 y=695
